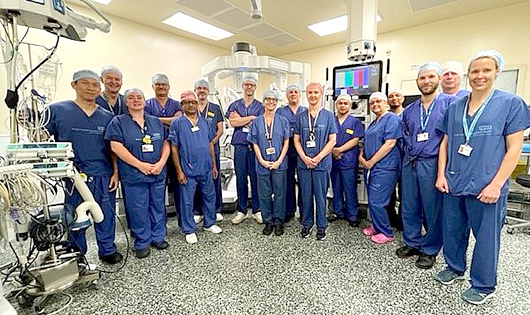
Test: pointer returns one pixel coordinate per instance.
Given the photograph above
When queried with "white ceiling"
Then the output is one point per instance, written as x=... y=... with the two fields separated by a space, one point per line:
x=283 y=28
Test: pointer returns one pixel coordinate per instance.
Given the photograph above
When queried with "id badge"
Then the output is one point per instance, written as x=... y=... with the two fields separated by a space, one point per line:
x=311 y=144
x=195 y=128
x=146 y=139
x=148 y=148
x=246 y=129
x=465 y=149
x=270 y=151
x=424 y=136
x=84 y=177
x=211 y=114
x=349 y=131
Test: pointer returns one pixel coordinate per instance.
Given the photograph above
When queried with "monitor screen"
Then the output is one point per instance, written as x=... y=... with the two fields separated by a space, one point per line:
x=361 y=80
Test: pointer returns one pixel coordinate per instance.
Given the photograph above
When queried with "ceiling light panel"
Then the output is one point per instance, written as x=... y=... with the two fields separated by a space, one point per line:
x=198 y=27
x=332 y=26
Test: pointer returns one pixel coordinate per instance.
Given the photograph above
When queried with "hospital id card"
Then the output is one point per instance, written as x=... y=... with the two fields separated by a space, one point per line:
x=270 y=151
x=465 y=149
x=211 y=114
x=148 y=148
x=349 y=131
x=195 y=128
x=424 y=136
x=246 y=129
x=311 y=144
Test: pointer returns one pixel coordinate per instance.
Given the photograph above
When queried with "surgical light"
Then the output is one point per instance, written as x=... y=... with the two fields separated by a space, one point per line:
x=333 y=26
x=198 y=27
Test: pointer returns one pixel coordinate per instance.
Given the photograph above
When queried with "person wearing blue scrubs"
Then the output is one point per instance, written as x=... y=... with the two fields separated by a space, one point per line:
x=82 y=122
x=213 y=114
x=381 y=160
x=140 y=142
x=241 y=114
x=314 y=139
x=421 y=201
x=452 y=73
x=345 y=161
x=111 y=99
x=194 y=158
x=166 y=109
x=269 y=134
x=483 y=136
x=289 y=111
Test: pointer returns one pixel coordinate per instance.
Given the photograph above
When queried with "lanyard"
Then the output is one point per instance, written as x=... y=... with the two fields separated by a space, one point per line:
x=424 y=122
x=312 y=124
x=110 y=106
x=205 y=111
x=144 y=129
x=191 y=122
x=267 y=133
x=468 y=130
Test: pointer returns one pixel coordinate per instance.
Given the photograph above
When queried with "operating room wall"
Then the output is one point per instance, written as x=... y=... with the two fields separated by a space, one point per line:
x=506 y=29
x=138 y=50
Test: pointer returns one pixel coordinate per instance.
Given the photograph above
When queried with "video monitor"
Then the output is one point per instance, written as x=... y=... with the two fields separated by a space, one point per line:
x=360 y=79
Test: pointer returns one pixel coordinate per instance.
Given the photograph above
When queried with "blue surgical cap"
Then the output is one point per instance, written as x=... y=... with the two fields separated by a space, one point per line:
x=83 y=74
x=201 y=83
x=111 y=68
x=434 y=66
x=160 y=78
x=250 y=78
x=133 y=89
x=490 y=53
x=270 y=93
x=293 y=87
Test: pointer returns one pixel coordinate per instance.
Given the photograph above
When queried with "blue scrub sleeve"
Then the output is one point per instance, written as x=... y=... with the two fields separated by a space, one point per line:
x=229 y=110
x=252 y=136
x=444 y=123
x=518 y=117
x=50 y=119
x=114 y=131
x=298 y=124
x=211 y=132
x=331 y=123
x=261 y=111
x=286 y=128
x=392 y=129
x=173 y=137
x=359 y=129
x=218 y=115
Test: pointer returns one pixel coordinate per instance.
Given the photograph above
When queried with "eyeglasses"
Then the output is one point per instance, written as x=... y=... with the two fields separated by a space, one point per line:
x=249 y=85
x=189 y=102
x=270 y=99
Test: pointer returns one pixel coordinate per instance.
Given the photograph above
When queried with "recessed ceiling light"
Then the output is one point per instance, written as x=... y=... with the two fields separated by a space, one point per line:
x=103 y=1
x=195 y=26
x=334 y=25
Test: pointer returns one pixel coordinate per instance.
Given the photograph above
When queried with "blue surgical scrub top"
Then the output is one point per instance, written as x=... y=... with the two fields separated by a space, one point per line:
x=119 y=109
x=280 y=132
x=324 y=126
x=153 y=108
x=286 y=112
x=194 y=146
x=504 y=115
x=68 y=122
x=125 y=130
x=254 y=109
x=388 y=127
x=351 y=128
x=213 y=115
x=412 y=127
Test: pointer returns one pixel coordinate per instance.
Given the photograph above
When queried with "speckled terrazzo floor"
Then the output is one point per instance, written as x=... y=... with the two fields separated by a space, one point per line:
x=242 y=271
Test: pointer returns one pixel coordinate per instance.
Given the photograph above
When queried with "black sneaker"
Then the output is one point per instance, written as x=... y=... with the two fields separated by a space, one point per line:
x=112 y=258
x=354 y=223
x=278 y=230
x=321 y=234
x=161 y=245
x=268 y=229
x=405 y=252
x=142 y=253
x=306 y=231
x=333 y=217
x=425 y=261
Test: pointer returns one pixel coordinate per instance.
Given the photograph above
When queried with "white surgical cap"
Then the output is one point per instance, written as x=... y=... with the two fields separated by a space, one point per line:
x=434 y=66
x=395 y=90
x=160 y=78
x=490 y=53
x=83 y=74
x=292 y=87
x=131 y=90
x=270 y=93
x=344 y=97
x=250 y=78
x=379 y=95
x=201 y=83
x=453 y=66
x=111 y=68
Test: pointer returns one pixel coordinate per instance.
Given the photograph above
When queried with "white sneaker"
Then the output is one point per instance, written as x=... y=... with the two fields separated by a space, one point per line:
x=238 y=218
x=198 y=218
x=219 y=217
x=257 y=216
x=215 y=229
x=191 y=238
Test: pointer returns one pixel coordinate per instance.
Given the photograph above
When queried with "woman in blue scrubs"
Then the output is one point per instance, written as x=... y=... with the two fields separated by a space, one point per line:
x=381 y=160
x=140 y=142
x=345 y=161
x=483 y=136
x=314 y=138
x=269 y=134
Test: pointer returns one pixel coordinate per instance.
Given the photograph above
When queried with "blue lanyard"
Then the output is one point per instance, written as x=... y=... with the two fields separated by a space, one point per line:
x=423 y=123
x=468 y=130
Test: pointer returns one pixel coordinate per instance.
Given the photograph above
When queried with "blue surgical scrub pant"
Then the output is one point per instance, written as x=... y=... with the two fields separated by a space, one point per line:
x=174 y=184
x=380 y=186
x=198 y=206
x=105 y=231
x=290 y=197
x=146 y=212
x=314 y=183
x=245 y=166
x=462 y=213
x=203 y=184
x=344 y=183
x=272 y=209
x=422 y=206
